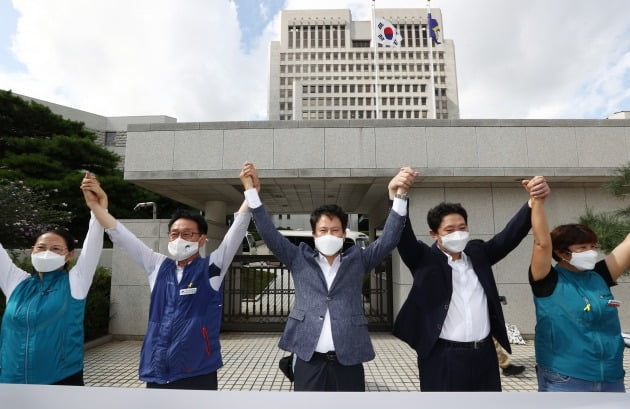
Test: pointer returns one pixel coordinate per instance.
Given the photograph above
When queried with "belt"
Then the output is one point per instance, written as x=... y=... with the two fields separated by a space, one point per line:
x=463 y=345
x=330 y=356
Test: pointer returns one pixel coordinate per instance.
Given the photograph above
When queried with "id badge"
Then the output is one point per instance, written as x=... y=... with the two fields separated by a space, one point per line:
x=188 y=291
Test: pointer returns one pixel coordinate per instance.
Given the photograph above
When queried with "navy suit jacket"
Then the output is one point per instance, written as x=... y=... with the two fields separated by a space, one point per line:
x=344 y=300
x=421 y=317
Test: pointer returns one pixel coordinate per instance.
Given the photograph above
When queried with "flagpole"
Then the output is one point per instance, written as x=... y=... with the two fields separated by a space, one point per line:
x=375 y=60
x=432 y=80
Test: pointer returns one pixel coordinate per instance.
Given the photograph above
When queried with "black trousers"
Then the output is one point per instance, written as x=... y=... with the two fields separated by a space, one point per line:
x=72 y=380
x=460 y=367
x=324 y=373
x=202 y=382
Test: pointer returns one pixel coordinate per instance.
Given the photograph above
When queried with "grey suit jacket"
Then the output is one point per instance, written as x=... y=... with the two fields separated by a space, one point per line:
x=344 y=300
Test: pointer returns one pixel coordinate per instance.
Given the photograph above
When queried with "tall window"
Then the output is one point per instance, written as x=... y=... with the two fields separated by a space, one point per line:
x=297 y=37
x=320 y=36
x=342 y=35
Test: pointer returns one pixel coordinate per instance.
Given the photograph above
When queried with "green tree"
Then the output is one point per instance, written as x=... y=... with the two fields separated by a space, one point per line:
x=50 y=154
x=24 y=212
x=612 y=227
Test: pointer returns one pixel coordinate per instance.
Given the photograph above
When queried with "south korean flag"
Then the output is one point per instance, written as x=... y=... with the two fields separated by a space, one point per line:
x=387 y=34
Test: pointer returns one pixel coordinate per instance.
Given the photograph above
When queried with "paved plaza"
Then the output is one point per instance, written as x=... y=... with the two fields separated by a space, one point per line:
x=251 y=364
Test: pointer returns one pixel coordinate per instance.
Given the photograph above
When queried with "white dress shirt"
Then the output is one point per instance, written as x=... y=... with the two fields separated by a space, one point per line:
x=467 y=319
x=325 y=342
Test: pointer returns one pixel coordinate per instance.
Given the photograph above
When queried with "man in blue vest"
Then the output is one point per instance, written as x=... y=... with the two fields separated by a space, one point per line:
x=181 y=347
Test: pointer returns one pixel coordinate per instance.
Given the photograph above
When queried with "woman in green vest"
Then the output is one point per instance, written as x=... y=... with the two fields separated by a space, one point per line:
x=579 y=347
x=41 y=341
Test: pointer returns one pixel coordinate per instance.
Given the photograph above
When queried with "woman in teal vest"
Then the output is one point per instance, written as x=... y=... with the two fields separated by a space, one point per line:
x=41 y=341
x=579 y=347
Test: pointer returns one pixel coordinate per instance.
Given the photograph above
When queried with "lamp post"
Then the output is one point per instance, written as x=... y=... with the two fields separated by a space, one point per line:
x=156 y=243
x=147 y=204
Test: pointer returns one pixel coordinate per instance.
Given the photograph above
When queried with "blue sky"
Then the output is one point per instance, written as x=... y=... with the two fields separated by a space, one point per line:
x=8 y=25
x=206 y=60
x=253 y=17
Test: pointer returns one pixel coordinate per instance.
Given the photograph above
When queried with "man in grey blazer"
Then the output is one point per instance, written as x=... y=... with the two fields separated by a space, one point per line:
x=327 y=328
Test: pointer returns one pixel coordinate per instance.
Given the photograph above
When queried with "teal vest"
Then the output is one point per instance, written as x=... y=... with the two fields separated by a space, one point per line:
x=573 y=339
x=42 y=331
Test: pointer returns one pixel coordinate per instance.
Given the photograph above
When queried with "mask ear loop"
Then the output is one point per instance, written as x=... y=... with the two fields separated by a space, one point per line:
x=562 y=258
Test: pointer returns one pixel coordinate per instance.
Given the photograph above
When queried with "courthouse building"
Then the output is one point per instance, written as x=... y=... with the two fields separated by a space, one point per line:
x=323 y=67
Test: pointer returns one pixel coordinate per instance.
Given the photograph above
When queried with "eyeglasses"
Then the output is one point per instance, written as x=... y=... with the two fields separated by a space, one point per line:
x=186 y=235
x=55 y=249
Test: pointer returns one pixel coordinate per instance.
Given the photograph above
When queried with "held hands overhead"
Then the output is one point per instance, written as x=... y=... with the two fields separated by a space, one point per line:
x=399 y=184
x=92 y=192
x=94 y=195
x=249 y=176
x=402 y=181
x=537 y=188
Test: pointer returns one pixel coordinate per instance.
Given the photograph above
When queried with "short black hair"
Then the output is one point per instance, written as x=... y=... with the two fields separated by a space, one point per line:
x=567 y=235
x=67 y=238
x=64 y=234
x=202 y=225
x=331 y=211
x=436 y=214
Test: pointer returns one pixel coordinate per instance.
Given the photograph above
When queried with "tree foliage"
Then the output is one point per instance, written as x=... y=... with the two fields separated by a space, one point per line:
x=612 y=227
x=26 y=212
x=49 y=155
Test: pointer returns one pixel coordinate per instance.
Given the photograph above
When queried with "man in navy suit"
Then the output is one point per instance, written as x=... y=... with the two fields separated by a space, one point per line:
x=453 y=309
x=327 y=328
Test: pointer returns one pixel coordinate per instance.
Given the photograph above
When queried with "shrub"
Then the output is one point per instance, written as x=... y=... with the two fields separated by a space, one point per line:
x=96 y=322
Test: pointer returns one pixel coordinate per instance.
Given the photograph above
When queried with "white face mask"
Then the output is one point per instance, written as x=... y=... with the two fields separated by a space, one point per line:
x=455 y=242
x=584 y=260
x=181 y=249
x=45 y=261
x=328 y=244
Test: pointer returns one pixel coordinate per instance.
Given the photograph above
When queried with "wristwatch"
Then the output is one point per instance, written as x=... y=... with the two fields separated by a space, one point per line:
x=403 y=196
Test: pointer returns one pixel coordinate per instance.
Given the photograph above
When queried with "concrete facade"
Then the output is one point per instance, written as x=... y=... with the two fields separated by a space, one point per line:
x=324 y=67
x=306 y=163
x=111 y=132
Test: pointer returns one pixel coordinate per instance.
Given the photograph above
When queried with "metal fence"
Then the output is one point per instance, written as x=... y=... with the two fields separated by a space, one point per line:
x=259 y=294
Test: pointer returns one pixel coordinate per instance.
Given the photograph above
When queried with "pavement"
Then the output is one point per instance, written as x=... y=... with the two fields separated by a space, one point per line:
x=251 y=364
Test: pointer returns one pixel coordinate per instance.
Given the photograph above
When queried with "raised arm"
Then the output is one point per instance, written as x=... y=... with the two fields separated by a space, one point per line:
x=542 y=248
x=618 y=260
x=223 y=255
x=519 y=225
x=82 y=273
x=281 y=247
x=139 y=252
x=397 y=189
x=96 y=200
x=410 y=249
x=10 y=274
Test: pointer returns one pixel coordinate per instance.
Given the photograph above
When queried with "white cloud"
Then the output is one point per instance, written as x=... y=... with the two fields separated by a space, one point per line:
x=140 y=57
x=534 y=59
x=566 y=58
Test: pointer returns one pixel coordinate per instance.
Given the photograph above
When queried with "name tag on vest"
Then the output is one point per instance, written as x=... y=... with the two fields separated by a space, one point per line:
x=187 y=291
